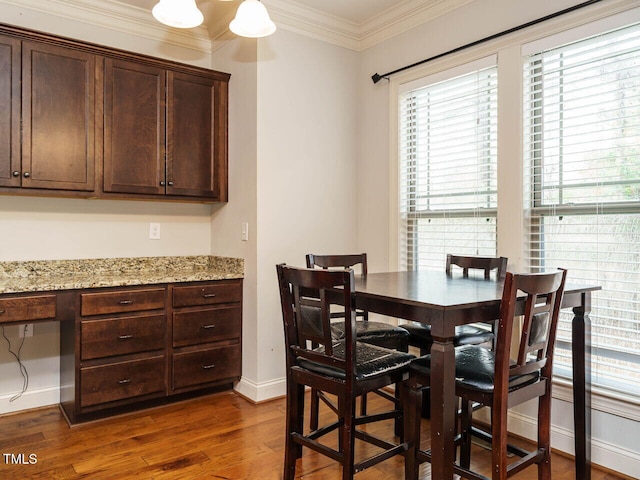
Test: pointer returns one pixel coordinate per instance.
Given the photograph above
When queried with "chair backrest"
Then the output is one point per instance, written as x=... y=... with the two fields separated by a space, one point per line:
x=307 y=318
x=499 y=264
x=338 y=261
x=539 y=325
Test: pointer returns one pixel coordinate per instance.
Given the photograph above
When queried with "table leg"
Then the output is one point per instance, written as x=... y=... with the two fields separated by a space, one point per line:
x=581 y=354
x=443 y=410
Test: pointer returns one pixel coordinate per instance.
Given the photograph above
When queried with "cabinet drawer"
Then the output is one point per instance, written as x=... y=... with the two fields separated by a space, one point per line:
x=208 y=325
x=119 y=336
x=21 y=309
x=108 y=383
x=212 y=293
x=203 y=366
x=121 y=301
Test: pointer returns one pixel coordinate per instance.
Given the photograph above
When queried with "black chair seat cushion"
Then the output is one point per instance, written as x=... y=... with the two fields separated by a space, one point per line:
x=475 y=369
x=420 y=335
x=371 y=360
x=367 y=330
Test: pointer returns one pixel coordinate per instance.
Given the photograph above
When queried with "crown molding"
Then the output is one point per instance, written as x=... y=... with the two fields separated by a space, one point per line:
x=116 y=16
x=403 y=16
x=314 y=23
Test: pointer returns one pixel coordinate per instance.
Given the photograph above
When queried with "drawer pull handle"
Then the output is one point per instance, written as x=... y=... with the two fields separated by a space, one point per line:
x=125 y=302
x=2 y=312
x=124 y=382
x=208 y=295
x=208 y=367
x=125 y=337
x=208 y=327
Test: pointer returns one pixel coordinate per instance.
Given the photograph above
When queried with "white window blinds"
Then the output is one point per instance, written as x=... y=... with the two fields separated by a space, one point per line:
x=448 y=183
x=582 y=167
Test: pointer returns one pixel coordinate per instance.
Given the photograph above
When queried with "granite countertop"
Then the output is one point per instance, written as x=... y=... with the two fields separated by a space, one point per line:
x=49 y=275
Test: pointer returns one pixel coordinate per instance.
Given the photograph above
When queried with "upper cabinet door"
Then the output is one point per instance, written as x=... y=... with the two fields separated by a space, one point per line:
x=58 y=108
x=134 y=128
x=191 y=161
x=10 y=168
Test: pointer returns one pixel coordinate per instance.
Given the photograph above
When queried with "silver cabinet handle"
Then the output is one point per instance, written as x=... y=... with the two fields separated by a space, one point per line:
x=208 y=295
x=124 y=382
x=125 y=337
x=208 y=327
x=208 y=367
x=125 y=302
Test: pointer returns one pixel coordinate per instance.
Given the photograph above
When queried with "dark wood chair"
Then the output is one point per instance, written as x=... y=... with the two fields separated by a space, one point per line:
x=420 y=334
x=491 y=377
x=375 y=333
x=342 y=367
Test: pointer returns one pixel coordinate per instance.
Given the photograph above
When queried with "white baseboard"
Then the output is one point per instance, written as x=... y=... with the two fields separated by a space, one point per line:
x=30 y=399
x=260 y=392
x=607 y=455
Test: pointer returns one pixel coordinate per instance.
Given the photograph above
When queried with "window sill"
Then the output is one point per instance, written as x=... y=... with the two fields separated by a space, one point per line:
x=607 y=401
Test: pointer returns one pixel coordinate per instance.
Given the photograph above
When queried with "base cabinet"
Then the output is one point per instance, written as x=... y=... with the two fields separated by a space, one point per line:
x=130 y=346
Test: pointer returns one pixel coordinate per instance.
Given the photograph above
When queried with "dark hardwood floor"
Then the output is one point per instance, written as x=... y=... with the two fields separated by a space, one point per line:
x=220 y=436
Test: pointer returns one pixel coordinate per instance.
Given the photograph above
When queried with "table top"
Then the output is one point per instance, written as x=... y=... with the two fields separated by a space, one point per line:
x=436 y=290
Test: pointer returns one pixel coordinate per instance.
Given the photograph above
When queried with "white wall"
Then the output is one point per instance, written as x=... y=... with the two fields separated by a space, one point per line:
x=304 y=168
x=53 y=228
x=614 y=437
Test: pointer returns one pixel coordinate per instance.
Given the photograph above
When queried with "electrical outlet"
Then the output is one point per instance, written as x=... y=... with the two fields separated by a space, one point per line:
x=26 y=330
x=154 y=231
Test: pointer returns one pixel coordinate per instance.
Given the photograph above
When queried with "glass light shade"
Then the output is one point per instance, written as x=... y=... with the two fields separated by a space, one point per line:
x=252 y=20
x=178 y=13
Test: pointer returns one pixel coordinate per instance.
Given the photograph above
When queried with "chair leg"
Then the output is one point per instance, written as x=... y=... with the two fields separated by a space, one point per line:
x=544 y=436
x=398 y=427
x=315 y=410
x=347 y=411
x=466 y=418
x=295 y=412
x=363 y=405
x=499 y=434
x=412 y=400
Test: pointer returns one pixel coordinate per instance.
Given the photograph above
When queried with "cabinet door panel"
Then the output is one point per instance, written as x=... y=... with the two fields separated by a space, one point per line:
x=134 y=128
x=58 y=95
x=190 y=133
x=9 y=112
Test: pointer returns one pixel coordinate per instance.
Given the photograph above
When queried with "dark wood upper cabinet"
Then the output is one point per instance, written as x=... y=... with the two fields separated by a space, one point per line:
x=191 y=152
x=134 y=128
x=58 y=117
x=82 y=120
x=161 y=132
x=10 y=168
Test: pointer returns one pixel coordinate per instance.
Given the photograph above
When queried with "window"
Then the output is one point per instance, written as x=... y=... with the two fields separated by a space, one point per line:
x=448 y=152
x=582 y=168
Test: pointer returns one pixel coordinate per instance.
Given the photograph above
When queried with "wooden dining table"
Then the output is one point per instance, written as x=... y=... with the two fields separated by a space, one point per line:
x=444 y=302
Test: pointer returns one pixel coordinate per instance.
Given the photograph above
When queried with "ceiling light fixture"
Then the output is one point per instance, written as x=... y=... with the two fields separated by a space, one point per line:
x=178 y=13
x=252 y=20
